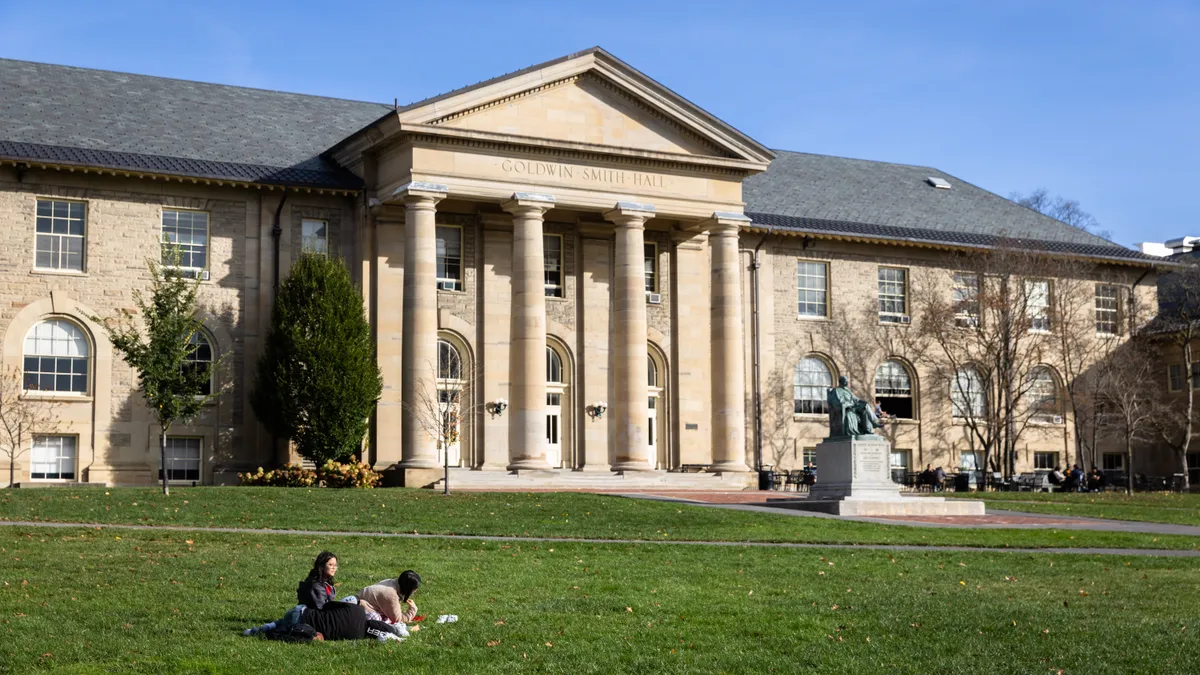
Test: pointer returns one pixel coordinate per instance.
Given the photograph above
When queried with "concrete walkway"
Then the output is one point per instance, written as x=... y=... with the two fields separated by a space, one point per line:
x=995 y=519
x=652 y=542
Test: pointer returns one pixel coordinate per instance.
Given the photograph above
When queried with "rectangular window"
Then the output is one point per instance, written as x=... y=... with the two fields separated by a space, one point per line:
x=449 y=258
x=183 y=458
x=552 y=245
x=970 y=461
x=53 y=458
x=893 y=295
x=1113 y=461
x=812 y=285
x=187 y=230
x=314 y=237
x=1193 y=463
x=1175 y=377
x=966 y=300
x=1045 y=460
x=1037 y=305
x=810 y=456
x=651 y=255
x=60 y=235
x=901 y=459
x=1107 y=309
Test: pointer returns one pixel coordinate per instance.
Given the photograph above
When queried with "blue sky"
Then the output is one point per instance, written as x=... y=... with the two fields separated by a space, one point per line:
x=1097 y=101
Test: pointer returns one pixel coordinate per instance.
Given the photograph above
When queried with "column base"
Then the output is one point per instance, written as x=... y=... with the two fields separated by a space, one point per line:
x=731 y=466
x=419 y=463
x=529 y=465
x=633 y=465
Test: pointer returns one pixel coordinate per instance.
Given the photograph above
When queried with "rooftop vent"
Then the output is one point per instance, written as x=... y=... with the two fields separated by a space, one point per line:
x=939 y=183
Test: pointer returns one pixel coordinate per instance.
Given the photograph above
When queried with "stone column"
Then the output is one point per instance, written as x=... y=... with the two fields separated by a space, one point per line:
x=387 y=312
x=628 y=408
x=527 y=354
x=420 y=318
x=495 y=299
x=728 y=367
x=595 y=342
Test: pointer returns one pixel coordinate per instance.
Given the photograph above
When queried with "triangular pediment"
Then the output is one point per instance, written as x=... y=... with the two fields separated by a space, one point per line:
x=584 y=108
x=587 y=99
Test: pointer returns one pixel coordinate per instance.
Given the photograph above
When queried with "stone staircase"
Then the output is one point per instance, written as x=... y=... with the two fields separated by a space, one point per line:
x=567 y=480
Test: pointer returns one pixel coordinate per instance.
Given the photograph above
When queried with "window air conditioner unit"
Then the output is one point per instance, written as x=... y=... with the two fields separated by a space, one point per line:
x=193 y=273
x=654 y=298
x=1057 y=419
x=447 y=286
x=905 y=319
x=967 y=321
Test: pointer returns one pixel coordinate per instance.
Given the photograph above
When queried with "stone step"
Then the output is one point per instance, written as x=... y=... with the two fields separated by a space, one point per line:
x=567 y=479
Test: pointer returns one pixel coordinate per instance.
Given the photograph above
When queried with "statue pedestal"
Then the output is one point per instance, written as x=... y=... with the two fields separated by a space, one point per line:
x=854 y=479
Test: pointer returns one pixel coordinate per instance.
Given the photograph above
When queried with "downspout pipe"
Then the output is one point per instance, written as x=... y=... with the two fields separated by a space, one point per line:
x=276 y=235
x=756 y=350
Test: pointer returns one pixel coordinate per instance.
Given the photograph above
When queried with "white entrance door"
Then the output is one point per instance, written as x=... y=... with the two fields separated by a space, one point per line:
x=554 y=430
x=451 y=428
x=652 y=429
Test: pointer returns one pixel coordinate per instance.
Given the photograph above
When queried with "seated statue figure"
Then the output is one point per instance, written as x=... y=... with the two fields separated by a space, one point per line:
x=849 y=416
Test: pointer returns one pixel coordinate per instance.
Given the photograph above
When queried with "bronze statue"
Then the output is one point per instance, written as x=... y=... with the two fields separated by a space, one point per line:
x=849 y=416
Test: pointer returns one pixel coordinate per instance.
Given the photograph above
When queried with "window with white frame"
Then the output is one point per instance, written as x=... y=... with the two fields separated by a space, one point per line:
x=56 y=358
x=187 y=231
x=554 y=367
x=901 y=460
x=1043 y=394
x=968 y=398
x=970 y=461
x=200 y=359
x=1175 y=377
x=1037 y=304
x=966 y=300
x=53 y=458
x=449 y=362
x=810 y=456
x=552 y=247
x=651 y=258
x=893 y=389
x=1113 y=461
x=811 y=386
x=59 y=242
x=893 y=294
x=449 y=258
x=1045 y=460
x=813 y=289
x=1107 y=309
x=314 y=236
x=183 y=458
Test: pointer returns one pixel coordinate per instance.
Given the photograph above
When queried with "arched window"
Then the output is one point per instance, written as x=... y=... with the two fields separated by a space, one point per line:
x=968 y=395
x=1043 y=394
x=449 y=362
x=56 y=358
x=554 y=369
x=651 y=373
x=201 y=359
x=811 y=386
x=893 y=389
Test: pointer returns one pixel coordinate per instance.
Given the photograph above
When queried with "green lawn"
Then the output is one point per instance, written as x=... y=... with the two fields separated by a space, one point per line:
x=1151 y=507
x=88 y=601
x=562 y=515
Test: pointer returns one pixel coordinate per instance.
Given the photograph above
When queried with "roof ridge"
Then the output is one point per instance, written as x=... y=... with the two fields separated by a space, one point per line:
x=859 y=159
x=180 y=79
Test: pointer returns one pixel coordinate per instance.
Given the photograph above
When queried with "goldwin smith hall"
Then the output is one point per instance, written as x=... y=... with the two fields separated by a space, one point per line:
x=573 y=239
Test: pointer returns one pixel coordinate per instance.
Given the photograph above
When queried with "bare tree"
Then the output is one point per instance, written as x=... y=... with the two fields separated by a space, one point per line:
x=444 y=412
x=1059 y=208
x=21 y=416
x=1127 y=400
x=987 y=324
x=850 y=337
x=1178 y=327
x=779 y=429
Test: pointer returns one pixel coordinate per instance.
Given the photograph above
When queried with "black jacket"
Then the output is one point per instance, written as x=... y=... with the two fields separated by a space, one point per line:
x=338 y=621
x=314 y=594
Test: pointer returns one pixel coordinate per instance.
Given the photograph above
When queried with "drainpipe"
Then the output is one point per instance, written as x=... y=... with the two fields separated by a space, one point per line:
x=276 y=234
x=756 y=350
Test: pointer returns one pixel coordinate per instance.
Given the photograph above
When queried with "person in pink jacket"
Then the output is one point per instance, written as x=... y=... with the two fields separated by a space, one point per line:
x=392 y=598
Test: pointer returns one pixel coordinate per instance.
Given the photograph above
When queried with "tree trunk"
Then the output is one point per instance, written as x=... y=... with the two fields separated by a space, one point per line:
x=162 y=448
x=1128 y=465
x=1191 y=402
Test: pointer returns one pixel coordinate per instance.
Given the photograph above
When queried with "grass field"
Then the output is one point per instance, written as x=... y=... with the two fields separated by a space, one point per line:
x=563 y=515
x=103 y=601
x=1151 y=507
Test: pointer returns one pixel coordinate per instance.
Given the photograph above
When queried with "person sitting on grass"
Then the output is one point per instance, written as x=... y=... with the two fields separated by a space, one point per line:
x=318 y=607
x=391 y=599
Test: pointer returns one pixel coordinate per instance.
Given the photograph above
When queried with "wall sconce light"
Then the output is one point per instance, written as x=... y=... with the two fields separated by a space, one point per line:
x=496 y=407
x=596 y=410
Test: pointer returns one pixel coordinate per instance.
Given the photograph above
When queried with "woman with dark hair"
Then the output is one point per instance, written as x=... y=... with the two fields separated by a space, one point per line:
x=392 y=598
x=317 y=589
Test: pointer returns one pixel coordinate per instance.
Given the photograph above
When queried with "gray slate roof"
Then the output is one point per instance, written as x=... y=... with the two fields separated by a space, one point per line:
x=174 y=126
x=855 y=197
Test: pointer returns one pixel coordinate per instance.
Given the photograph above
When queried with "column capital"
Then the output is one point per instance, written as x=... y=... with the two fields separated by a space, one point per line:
x=725 y=223
x=529 y=203
x=630 y=214
x=418 y=191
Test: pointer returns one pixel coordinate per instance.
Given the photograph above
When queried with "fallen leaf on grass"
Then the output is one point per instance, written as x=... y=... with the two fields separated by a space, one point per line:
x=493 y=643
x=549 y=644
x=500 y=622
x=628 y=609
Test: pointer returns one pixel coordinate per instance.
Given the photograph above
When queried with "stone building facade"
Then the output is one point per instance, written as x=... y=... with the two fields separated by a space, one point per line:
x=605 y=277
